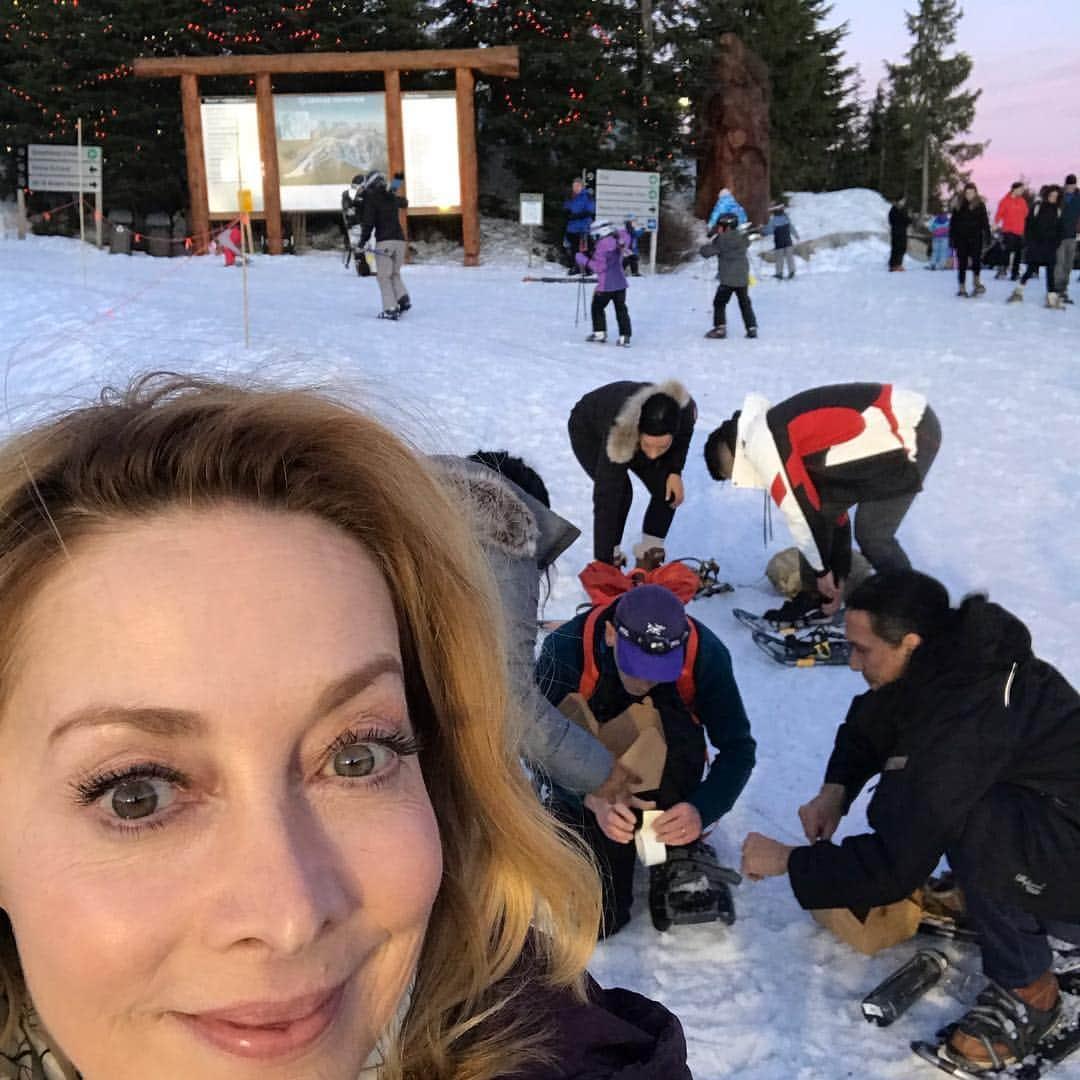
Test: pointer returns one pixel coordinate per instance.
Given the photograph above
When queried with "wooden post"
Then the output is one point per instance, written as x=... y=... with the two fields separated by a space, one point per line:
x=271 y=183
x=395 y=135
x=465 y=83
x=196 y=164
x=20 y=221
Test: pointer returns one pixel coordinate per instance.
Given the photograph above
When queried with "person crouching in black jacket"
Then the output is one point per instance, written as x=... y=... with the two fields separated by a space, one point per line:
x=977 y=743
x=969 y=233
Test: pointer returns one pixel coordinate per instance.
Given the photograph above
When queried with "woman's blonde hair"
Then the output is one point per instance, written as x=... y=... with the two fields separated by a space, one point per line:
x=514 y=885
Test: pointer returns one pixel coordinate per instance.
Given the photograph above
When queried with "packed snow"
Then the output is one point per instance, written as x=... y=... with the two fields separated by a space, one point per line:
x=485 y=360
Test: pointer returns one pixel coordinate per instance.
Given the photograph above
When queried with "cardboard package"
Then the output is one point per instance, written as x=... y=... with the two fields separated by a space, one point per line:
x=635 y=737
x=882 y=928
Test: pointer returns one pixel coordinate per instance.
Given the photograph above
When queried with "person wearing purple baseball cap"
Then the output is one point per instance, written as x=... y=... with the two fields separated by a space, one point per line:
x=643 y=646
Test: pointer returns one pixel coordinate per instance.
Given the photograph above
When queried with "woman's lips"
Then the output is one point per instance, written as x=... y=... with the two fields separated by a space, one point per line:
x=267 y=1029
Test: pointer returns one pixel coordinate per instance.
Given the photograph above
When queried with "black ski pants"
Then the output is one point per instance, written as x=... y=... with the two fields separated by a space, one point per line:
x=720 y=302
x=1032 y=271
x=600 y=301
x=897 y=249
x=968 y=255
x=589 y=449
x=1014 y=248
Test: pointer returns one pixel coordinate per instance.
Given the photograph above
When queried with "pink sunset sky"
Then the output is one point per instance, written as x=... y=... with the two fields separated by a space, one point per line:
x=1026 y=57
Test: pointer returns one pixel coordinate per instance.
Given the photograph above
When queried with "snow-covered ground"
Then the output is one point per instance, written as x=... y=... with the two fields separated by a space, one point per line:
x=486 y=360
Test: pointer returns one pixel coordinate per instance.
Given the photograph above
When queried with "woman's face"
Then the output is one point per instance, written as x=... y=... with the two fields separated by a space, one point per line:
x=218 y=853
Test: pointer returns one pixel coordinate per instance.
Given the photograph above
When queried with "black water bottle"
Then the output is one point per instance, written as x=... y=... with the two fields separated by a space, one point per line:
x=891 y=999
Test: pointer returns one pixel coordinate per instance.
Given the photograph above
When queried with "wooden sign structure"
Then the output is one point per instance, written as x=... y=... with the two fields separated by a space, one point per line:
x=499 y=61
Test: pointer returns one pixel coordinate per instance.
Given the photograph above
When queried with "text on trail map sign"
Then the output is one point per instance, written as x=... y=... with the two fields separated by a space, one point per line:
x=61 y=168
x=531 y=208
x=622 y=194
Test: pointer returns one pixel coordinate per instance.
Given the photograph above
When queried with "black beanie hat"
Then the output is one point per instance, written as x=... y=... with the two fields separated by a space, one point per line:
x=659 y=415
x=1071 y=178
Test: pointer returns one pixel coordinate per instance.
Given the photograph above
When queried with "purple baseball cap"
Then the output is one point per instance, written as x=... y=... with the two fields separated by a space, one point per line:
x=652 y=629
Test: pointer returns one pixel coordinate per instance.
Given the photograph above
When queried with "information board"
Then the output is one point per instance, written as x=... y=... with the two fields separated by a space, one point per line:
x=621 y=194
x=231 y=149
x=54 y=167
x=531 y=208
x=432 y=172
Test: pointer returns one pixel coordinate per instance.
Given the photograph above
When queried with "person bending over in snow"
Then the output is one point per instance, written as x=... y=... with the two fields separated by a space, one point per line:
x=644 y=646
x=733 y=270
x=977 y=745
x=969 y=233
x=606 y=262
x=822 y=452
x=639 y=428
x=781 y=229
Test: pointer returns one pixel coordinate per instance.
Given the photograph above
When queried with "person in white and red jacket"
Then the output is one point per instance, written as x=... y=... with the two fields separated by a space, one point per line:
x=823 y=452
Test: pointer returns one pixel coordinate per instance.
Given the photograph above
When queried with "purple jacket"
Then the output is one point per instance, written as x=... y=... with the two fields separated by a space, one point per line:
x=606 y=262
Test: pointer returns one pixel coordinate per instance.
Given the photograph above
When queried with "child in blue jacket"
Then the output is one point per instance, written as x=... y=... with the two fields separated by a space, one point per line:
x=631 y=261
x=939 y=241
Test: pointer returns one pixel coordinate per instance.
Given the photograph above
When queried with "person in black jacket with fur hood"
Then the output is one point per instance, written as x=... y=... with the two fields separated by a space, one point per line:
x=639 y=428
x=977 y=743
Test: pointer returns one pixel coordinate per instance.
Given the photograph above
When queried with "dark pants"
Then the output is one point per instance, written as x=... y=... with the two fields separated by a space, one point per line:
x=632 y=264
x=600 y=300
x=1014 y=247
x=897 y=249
x=1015 y=951
x=720 y=302
x=572 y=244
x=659 y=514
x=966 y=256
x=1032 y=271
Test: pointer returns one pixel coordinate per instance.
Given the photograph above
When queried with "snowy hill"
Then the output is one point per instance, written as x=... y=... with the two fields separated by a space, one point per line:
x=485 y=360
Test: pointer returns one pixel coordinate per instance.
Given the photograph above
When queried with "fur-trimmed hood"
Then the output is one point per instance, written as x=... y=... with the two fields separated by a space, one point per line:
x=622 y=440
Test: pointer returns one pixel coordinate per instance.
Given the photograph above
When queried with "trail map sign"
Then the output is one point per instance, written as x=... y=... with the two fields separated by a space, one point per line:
x=59 y=168
x=622 y=194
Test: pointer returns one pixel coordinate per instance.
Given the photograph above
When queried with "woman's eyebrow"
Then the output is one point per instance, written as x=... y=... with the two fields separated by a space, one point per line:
x=178 y=723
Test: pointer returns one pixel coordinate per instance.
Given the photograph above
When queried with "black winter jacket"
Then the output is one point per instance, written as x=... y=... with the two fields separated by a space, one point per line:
x=899 y=220
x=608 y=417
x=973 y=712
x=969 y=227
x=379 y=214
x=1044 y=233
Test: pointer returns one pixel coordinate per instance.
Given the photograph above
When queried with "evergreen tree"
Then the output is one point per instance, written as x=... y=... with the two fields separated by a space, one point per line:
x=936 y=110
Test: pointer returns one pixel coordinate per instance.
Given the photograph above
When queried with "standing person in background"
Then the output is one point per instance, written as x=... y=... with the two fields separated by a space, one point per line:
x=381 y=220
x=631 y=260
x=730 y=245
x=969 y=232
x=1070 y=225
x=726 y=203
x=899 y=220
x=781 y=229
x=606 y=262
x=939 y=241
x=1043 y=237
x=639 y=428
x=580 y=210
x=1010 y=218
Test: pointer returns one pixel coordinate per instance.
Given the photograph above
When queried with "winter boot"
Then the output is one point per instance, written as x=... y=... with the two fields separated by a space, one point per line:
x=624 y=341
x=404 y=304
x=791 y=275
x=1054 y=301
x=962 y=291
x=751 y=331
x=390 y=313
x=649 y=553
x=717 y=332
x=801 y=611
x=1066 y=298
x=1016 y=296
x=598 y=337
x=779 y=277
x=1001 y=274
x=980 y=288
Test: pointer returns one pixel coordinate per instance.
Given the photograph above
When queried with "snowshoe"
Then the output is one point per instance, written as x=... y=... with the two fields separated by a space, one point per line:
x=751 y=331
x=979 y=289
x=708 y=572
x=597 y=337
x=801 y=611
x=624 y=341
x=717 y=332
x=1036 y=1040
x=390 y=313
x=691 y=887
x=820 y=646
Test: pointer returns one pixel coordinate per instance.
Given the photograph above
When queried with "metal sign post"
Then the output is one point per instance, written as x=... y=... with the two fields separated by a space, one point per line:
x=531 y=213
x=623 y=194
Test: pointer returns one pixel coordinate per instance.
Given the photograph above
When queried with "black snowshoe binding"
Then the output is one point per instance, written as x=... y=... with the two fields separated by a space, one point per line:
x=691 y=887
x=801 y=611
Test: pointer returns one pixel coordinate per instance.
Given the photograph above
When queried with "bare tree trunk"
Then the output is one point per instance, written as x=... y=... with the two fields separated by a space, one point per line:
x=648 y=45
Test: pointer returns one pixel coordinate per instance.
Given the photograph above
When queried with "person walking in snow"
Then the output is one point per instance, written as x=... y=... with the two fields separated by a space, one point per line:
x=939 y=241
x=644 y=646
x=726 y=203
x=822 y=453
x=730 y=245
x=639 y=428
x=1070 y=226
x=780 y=228
x=632 y=259
x=1011 y=218
x=380 y=219
x=969 y=233
x=580 y=211
x=899 y=220
x=1044 y=234
x=606 y=262
x=976 y=745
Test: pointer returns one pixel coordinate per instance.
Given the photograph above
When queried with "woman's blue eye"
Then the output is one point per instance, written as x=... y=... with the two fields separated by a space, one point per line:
x=361 y=759
x=140 y=797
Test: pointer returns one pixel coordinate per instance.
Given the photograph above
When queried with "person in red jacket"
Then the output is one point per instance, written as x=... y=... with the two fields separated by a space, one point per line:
x=1011 y=218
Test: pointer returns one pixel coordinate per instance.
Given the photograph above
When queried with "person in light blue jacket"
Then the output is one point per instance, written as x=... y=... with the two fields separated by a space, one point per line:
x=726 y=203
x=939 y=241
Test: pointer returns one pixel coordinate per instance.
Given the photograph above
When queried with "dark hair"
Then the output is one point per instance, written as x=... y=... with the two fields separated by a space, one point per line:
x=1016 y=184
x=903 y=602
x=659 y=415
x=516 y=471
x=725 y=434
x=1071 y=178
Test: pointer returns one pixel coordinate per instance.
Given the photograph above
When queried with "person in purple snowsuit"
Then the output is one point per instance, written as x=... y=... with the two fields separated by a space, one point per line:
x=606 y=262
